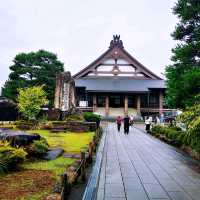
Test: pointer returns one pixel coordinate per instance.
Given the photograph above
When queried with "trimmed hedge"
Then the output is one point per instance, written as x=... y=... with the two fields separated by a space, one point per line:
x=91 y=117
x=177 y=136
x=38 y=148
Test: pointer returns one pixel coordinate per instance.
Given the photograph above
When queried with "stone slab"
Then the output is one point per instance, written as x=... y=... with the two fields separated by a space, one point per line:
x=53 y=154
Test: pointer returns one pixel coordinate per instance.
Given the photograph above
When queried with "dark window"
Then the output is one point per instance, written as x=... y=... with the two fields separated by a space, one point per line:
x=114 y=101
x=101 y=101
x=131 y=102
x=151 y=100
x=90 y=100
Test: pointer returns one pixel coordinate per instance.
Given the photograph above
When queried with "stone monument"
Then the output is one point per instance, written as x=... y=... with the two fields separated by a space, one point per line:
x=64 y=92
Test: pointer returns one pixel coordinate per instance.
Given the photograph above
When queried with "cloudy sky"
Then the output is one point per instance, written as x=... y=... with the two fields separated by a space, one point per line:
x=79 y=31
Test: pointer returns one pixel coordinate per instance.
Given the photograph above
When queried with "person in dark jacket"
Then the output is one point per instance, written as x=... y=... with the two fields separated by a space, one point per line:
x=126 y=124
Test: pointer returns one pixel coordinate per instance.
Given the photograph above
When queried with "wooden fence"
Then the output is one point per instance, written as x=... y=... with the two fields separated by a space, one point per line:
x=79 y=172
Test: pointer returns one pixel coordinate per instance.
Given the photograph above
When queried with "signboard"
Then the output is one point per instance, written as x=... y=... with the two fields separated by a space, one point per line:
x=83 y=104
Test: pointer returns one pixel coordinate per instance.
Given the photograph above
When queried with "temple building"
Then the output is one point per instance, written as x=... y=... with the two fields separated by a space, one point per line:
x=117 y=84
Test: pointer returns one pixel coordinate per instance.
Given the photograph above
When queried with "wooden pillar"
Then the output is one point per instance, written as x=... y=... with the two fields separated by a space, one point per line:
x=107 y=105
x=126 y=105
x=94 y=102
x=161 y=102
x=138 y=104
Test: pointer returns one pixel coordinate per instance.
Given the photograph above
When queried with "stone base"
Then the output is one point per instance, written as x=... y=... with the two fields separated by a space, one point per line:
x=74 y=126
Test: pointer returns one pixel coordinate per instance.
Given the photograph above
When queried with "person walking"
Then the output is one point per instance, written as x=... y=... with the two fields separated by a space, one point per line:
x=157 y=120
x=126 y=124
x=131 y=120
x=148 y=124
x=119 y=123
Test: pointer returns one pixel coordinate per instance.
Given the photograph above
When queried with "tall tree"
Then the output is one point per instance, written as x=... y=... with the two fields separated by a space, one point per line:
x=183 y=76
x=32 y=69
x=30 y=101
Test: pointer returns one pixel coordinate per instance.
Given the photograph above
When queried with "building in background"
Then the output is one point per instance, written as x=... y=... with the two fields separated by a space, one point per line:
x=117 y=84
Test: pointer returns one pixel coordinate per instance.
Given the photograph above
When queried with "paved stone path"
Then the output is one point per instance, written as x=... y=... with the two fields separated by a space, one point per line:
x=140 y=167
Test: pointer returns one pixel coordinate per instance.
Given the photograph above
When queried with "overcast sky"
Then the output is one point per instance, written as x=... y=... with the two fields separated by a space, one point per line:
x=78 y=31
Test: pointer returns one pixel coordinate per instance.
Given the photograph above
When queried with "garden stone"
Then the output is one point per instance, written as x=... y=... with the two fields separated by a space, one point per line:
x=18 y=138
x=71 y=155
x=52 y=154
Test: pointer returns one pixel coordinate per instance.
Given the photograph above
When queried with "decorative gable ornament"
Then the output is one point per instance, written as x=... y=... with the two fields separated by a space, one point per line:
x=116 y=61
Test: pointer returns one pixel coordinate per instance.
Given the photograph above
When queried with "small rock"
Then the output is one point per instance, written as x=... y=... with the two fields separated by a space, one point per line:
x=52 y=154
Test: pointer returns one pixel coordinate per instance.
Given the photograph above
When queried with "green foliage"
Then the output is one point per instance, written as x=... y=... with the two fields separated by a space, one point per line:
x=30 y=101
x=91 y=117
x=183 y=138
x=74 y=118
x=70 y=142
x=58 y=165
x=183 y=76
x=32 y=69
x=38 y=148
x=157 y=129
x=191 y=117
x=3 y=164
x=10 y=157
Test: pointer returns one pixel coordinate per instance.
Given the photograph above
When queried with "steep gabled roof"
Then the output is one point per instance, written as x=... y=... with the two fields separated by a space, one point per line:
x=116 y=51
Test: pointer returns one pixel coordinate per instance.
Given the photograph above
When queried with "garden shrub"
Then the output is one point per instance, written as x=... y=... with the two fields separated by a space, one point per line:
x=197 y=147
x=156 y=129
x=174 y=134
x=181 y=138
x=167 y=131
x=38 y=148
x=74 y=117
x=10 y=157
x=91 y=117
x=191 y=118
x=176 y=128
x=178 y=136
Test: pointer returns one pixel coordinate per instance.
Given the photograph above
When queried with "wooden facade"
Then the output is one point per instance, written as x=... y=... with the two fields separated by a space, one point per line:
x=116 y=83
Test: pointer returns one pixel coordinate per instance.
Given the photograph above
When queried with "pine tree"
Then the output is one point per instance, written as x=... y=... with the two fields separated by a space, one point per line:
x=33 y=69
x=183 y=76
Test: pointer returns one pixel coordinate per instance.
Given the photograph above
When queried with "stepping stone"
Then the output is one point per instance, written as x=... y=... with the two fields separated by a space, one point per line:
x=52 y=154
x=71 y=155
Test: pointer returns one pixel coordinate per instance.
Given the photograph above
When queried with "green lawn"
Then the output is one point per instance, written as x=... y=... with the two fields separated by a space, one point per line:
x=70 y=142
x=41 y=175
x=58 y=165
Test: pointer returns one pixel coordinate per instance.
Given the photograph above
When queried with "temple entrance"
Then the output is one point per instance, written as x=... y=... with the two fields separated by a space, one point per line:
x=115 y=104
x=116 y=101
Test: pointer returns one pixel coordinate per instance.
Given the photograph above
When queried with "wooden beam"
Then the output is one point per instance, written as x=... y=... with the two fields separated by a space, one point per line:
x=108 y=64
x=120 y=72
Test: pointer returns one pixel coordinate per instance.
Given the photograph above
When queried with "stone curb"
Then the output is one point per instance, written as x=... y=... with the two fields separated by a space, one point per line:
x=92 y=185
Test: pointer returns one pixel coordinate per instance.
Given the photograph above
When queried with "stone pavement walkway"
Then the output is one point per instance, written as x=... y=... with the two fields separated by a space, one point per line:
x=140 y=167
